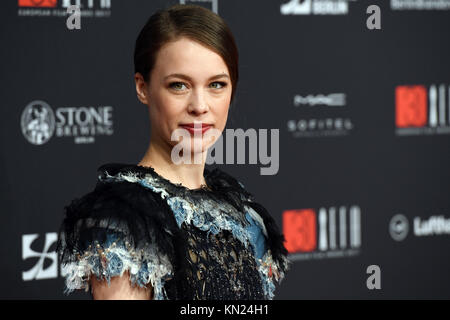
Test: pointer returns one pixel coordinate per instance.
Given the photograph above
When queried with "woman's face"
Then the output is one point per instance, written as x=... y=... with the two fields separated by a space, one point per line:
x=189 y=83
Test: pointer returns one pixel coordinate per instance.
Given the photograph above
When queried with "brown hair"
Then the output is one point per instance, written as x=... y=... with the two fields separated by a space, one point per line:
x=192 y=21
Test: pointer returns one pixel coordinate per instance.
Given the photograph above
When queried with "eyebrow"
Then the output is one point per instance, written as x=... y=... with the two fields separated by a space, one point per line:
x=186 y=77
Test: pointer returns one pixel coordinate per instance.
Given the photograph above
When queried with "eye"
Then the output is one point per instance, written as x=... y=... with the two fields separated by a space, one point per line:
x=223 y=84
x=176 y=85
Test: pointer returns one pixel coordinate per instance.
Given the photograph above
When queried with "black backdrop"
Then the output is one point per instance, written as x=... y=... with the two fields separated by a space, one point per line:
x=363 y=118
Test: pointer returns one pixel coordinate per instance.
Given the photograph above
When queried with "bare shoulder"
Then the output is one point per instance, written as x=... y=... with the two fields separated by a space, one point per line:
x=119 y=288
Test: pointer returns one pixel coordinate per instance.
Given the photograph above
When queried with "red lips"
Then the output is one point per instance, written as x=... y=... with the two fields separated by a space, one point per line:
x=192 y=125
x=198 y=127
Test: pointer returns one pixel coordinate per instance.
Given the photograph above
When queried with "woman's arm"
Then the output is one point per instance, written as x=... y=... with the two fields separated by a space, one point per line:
x=120 y=288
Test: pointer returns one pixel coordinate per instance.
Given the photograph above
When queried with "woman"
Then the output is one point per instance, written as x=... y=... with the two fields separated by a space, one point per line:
x=167 y=230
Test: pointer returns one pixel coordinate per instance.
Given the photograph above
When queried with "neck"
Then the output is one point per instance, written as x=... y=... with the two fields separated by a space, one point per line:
x=189 y=175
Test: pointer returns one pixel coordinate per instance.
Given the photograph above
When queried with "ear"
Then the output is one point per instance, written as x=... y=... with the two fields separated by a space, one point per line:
x=141 y=88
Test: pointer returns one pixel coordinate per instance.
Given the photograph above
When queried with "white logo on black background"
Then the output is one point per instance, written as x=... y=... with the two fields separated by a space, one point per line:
x=399 y=227
x=420 y=5
x=306 y=7
x=37 y=122
x=104 y=4
x=324 y=125
x=214 y=4
x=434 y=225
x=38 y=272
x=328 y=228
x=319 y=127
x=332 y=99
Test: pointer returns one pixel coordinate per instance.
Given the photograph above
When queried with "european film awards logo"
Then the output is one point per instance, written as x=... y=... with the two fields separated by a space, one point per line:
x=326 y=233
x=54 y=8
x=37 y=3
x=421 y=110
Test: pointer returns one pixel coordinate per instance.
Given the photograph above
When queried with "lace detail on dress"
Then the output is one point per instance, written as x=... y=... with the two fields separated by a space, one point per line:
x=220 y=267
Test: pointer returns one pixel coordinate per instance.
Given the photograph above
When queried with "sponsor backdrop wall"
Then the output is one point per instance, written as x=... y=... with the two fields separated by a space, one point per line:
x=360 y=183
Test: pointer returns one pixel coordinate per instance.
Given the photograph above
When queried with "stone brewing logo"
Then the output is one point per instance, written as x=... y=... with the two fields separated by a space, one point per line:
x=37 y=122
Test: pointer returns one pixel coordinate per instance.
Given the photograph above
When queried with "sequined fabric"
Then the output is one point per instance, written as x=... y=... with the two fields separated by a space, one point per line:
x=214 y=242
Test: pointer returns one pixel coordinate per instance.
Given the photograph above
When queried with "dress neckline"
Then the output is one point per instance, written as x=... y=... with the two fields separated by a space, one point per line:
x=114 y=168
x=203 y=187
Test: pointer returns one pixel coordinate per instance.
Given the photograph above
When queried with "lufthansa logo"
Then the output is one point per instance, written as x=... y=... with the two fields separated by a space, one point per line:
x=399 y=227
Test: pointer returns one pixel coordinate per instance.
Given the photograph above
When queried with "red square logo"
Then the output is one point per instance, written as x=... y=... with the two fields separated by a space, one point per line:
x=411 y=106
x=300 y=229
x=37 y=3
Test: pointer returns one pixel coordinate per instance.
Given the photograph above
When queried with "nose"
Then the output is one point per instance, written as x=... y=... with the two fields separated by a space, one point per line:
x=197 y=102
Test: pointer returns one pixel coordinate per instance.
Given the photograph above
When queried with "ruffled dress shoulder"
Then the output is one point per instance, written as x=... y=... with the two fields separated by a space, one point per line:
x=214 y=242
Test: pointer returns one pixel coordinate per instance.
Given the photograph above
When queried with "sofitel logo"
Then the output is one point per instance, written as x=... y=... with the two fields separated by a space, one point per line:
x=39 y=123
x=317 y=127
x=331 y=233
x=420 y=110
